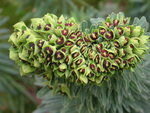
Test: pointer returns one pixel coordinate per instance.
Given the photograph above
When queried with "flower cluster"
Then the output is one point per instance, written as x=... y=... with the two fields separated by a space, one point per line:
x=58 y=46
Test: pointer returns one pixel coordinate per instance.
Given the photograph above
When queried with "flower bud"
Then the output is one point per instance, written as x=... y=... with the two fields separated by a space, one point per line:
x=123 y=41
x=62 y=67
x=136 y=31
x=127 y=31
x=37 y=24
x=126 y=20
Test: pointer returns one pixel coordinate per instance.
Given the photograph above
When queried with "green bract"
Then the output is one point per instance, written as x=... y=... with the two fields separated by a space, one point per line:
x=57 y=48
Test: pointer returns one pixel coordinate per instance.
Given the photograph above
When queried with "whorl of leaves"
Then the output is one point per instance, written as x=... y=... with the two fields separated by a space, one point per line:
x=126 y=92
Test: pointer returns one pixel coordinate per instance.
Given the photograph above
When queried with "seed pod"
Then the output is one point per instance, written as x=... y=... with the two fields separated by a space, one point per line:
x=136 y=31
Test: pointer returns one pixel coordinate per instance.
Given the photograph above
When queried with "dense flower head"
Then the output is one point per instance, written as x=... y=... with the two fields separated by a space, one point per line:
x=57 y=47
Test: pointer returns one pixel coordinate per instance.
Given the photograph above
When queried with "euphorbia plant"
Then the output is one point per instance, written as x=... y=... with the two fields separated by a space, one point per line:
x=73 y=61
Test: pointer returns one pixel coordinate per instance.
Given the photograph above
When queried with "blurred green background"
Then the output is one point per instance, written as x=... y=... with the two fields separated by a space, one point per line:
x=18 y=94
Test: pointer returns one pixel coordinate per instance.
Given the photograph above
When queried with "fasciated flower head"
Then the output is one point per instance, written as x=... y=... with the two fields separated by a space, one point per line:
x=58 y=47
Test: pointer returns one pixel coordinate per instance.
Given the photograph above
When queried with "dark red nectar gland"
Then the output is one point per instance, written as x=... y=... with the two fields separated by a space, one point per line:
x=76 y=54
x=115 y=22
x=104 y=53
x=65 y=32
x=102 y=31
x=47 y=27
x=48 y=50
x=60 y=41
x=59 y=55
x=69 y=43
x=109 y=35
x=120 y=30
x=116 y=44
